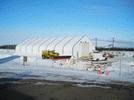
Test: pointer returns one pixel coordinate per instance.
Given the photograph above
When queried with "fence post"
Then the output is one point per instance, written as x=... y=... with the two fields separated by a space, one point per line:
x=52 y=63
x=36 y=61
x=24 y=60
x=120 y=68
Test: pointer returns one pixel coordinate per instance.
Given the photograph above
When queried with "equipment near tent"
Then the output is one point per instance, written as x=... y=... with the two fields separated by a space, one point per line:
x=49 y=54
x=60 y=57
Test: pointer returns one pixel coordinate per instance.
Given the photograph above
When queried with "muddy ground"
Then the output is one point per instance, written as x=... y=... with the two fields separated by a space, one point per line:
x=31 y=89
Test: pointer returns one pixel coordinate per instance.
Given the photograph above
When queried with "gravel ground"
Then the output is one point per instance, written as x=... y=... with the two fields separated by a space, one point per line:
x=29 y=89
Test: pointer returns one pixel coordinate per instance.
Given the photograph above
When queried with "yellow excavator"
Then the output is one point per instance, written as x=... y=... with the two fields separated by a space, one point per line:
x=49 y=54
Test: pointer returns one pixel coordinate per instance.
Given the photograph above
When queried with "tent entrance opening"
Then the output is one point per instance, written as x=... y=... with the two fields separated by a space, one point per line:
x=85 y=49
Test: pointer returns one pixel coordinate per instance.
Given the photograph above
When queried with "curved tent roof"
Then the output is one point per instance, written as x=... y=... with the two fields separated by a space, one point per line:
x=62 y=45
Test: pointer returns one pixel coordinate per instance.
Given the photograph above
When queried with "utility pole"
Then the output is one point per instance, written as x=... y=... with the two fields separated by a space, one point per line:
x=96 y=42
x=113 y=42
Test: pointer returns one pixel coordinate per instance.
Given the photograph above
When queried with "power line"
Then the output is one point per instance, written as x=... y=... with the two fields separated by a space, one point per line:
x=116 y=43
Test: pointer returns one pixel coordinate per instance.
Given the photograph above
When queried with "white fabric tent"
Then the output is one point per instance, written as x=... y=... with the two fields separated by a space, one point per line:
x=75 y=46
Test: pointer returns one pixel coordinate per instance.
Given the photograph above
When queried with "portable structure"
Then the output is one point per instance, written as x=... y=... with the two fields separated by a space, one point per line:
x=120 y=53
x=76 y=46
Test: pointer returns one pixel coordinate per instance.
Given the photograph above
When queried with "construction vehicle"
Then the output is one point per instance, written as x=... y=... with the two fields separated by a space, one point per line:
x=49 y=54
x=108 y=55
x=111 y=55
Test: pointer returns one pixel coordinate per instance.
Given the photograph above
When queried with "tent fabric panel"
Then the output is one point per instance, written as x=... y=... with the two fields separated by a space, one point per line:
x=37 y=45
x=53 y=44
x=68 y=47
x=18 y=47
x=59 y=47
x=30 y=46
x=44 y=45
x=23 y=48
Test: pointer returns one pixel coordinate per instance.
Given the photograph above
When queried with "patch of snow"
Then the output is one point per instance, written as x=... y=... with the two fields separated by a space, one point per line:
x=69 y=70
x=6 y=53
x=81 y=85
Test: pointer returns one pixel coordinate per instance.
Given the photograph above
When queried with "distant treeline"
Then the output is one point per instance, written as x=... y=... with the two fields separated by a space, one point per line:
x=7 y=47
x=115 y=49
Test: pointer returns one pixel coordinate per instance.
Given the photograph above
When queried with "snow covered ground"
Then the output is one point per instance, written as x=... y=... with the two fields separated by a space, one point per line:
x=72 y=71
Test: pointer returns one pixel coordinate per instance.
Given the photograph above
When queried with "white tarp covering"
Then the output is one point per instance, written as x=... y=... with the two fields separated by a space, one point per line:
x=38 y=44
x=63 y=45
x=54 y=43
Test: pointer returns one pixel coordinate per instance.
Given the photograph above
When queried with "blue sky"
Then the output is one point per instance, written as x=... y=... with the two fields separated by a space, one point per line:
x=102 y=19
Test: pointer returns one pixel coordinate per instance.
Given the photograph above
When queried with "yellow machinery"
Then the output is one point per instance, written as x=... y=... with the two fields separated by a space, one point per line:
x=49 y=54
x=111 y=55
